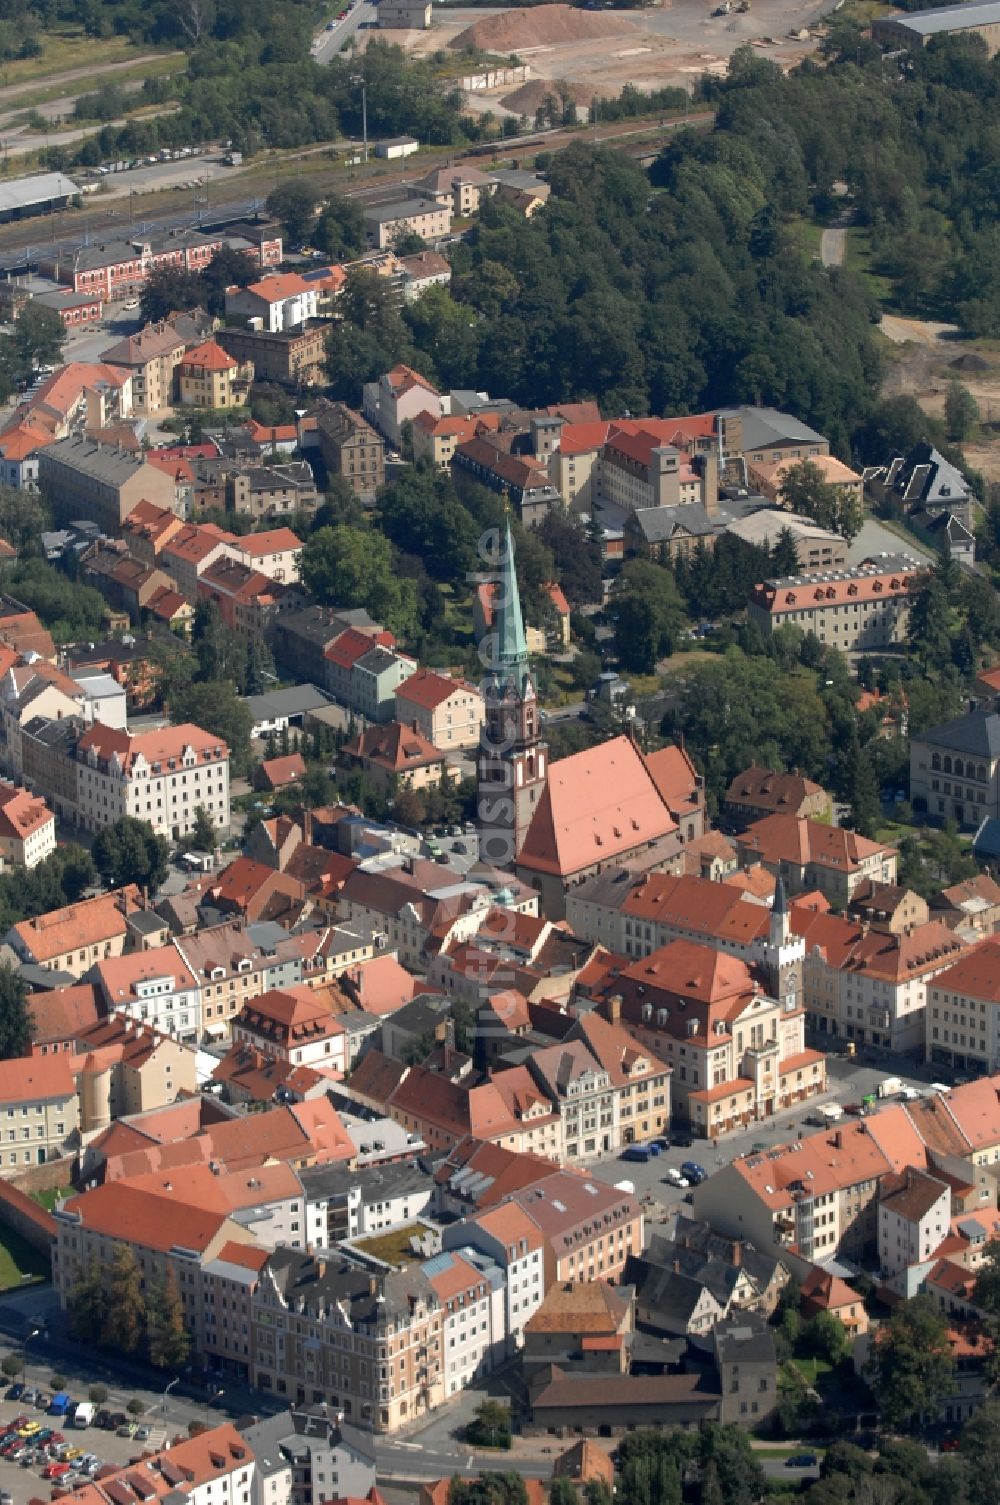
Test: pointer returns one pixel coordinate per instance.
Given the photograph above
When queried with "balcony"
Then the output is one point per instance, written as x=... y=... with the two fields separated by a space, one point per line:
x=879 y=1019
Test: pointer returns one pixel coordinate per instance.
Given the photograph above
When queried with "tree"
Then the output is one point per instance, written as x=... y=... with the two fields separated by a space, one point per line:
x=785 y=554
x=24 y=516
x=961 y=412
x=857 y=785
x=911 y=1368
x=577 y=557
x=167 y=1336
x=12 y=1364
x=215 y=705
x=563 y=1491
x=804 y=490
x=824 y=1337
x=421 y=513
x=340 y=229
x=130 y=851
x=97 y=1394
x=167 y=290
x=648 y=614
x=125 y=1317
x=351 y=567
x=294 y=203
x=930 y=628
x=227 y=268
x=490 y=1427
x=135 y=1407
x=88 y=1306
x=203 y=834
x=15 y=1014
x=39 y=337
x=980 y=1446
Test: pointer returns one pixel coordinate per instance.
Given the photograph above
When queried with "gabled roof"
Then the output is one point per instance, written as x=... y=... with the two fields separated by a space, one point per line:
x=208 y=357
x=797 y=840
x=77 y=925
x=430 y=690
x=597 y=805
x=394 y=747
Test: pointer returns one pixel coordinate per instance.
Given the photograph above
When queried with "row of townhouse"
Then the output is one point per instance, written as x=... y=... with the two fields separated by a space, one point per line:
x=97 y=774
x=818 y=1198
x=217 y=1467
x=586 y=1095
x=381 y=1345
x=862 y=977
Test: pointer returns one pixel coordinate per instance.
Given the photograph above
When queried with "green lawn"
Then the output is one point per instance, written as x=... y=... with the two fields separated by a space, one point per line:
x=20 y=1264
x=48 y=1199
x=858 y=258
x=806 y=236
x=812 y=1370
x=393 y=1248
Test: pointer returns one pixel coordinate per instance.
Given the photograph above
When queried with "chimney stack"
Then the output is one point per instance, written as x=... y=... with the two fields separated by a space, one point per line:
x=615 y=1008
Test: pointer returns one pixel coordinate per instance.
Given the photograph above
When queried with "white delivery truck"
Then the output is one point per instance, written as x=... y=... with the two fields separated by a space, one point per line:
x=83 y=1416
x=891 y=1087
x=832 y=1113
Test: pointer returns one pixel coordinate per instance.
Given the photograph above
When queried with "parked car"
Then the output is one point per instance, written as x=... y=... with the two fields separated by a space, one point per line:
x=681 y=1139
x=16 y=1391
x=662 y=1141
x=104 y=1420
x=55 y=1470
x=127 y=1429
x=802 y=1460
x=949 y=1445
x=30 y=1396
x=695 y=1173
x=675 y=1178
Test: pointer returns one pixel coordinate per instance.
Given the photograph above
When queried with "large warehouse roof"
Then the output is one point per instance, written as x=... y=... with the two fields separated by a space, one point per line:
x=949 y=18
x=22 y=193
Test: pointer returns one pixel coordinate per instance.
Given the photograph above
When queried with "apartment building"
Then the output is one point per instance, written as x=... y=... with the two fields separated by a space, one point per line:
x=448 y=712
x=292 y=1026
x=276 y=553
x=27 y=828
x=868 y=983
x=398 y=753
x=192 y=550
x=470 y=1291
x=384 y=223
x=758 y=792
x=589 y=1229
x=820 y=551
x=160 y=776
x=215 y=1468
x=810 y=854
x=461 y=186
x=857 y=610
x=39 y=1111
x=155 y=988
x=398 y=397
x=209 y=378
x=737 y=1054
x=815 y=1197
x=248 y=601
x=152 y=356
x=129 y=1068
x=363 y=673
x=351 y=449
x=88 y=479
x=311 y=1454
x=914 y=1216
x=369 y=1345
x=963 y=1012
x=82 y=395
x=281 y=301
x=295 y=358
x=72 y=939
x=514 y=1242
x=955 y=769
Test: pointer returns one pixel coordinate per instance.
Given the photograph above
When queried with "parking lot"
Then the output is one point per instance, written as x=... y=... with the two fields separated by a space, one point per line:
x=848 y=1082
x=24 y=1477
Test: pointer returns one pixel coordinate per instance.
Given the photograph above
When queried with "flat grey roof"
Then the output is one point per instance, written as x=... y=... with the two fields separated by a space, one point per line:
x=381 y=214
x=947 y=18
x=23 y=192
x=291 y=701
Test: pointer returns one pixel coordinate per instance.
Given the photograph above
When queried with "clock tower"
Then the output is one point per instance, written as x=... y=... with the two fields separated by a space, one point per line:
x=513 y=760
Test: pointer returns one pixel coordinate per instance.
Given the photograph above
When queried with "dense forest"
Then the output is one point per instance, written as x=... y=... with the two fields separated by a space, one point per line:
x=686 y=288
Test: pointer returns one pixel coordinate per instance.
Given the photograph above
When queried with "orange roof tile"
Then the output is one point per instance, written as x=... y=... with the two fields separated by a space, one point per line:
x=597 y=805
x=77 y=926
x=208 y=357
x=31 y=1079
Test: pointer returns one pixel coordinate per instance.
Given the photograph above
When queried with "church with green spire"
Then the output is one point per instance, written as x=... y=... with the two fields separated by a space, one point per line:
x=513 y=760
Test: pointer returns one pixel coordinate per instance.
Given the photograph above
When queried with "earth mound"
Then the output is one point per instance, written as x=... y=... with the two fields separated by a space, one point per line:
x=540 y=26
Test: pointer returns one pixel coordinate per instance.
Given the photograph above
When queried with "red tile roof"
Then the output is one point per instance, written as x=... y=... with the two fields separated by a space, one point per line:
x=208 y=357
x=31 y=1079
x=792 y=839
x=77 y=926
x=429 y=690
x=394 y=747
x=855 y=586
x=158 y=747
x=282 y=771
x=597 y=805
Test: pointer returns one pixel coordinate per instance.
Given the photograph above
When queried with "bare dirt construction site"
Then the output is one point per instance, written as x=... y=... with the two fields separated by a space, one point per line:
x=598 y=52
x=927 y=356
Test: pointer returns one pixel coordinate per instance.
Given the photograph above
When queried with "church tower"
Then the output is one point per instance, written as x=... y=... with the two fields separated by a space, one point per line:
x=512 y=763
x=784 y=953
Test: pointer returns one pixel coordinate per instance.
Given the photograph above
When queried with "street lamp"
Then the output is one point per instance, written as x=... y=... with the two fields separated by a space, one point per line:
x=163 y=1397
x=24 y=1350
x=358 y=79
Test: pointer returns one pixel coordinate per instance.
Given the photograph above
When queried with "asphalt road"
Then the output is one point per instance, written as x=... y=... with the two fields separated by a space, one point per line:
x=327 y=43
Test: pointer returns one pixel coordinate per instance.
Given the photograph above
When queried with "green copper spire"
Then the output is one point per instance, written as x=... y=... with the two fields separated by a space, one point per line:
x=510 y=647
